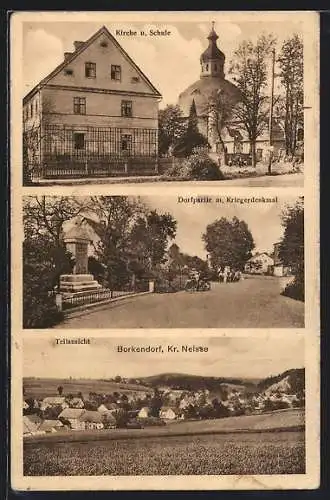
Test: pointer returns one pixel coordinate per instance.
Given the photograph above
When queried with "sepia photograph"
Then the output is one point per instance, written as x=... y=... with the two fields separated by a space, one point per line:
x=140 y=406
x=163 y=262
x=220 y=100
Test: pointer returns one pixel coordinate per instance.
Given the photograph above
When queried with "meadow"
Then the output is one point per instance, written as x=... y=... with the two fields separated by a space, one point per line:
x=282 y=420
x=43 y=387
x=219 y=454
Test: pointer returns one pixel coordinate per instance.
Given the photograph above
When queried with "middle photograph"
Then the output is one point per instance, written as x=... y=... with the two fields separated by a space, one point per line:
x=163 y=262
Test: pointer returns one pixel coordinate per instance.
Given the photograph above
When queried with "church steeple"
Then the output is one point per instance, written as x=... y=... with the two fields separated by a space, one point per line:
x=212 y=59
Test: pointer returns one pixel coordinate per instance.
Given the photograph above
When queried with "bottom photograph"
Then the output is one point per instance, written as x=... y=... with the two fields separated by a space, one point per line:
x=163 y=406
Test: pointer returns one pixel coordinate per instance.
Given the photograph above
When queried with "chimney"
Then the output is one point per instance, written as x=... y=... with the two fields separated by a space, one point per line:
x=67 y=55
x=77 y=45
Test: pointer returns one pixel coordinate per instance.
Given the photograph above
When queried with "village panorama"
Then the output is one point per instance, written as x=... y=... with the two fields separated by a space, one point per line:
x=237 y=407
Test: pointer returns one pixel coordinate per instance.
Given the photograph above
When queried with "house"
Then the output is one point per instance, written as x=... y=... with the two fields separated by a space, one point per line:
x=31 y=424
x=94 y=110
x=92 y=420
x=50 y=426
x=72 y=416
x=108 y=407
x=170 y=413
x=279 y=268
x=260 y=263
x=76 y=403
x=26 y=406
x=53 y=401
x=144 y=412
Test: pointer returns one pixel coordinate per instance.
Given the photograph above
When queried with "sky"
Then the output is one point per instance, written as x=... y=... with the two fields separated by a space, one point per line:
x=171 y=62
x=246 y=356
x=263 y=220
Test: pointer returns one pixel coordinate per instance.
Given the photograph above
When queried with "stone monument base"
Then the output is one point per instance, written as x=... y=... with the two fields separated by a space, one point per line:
x=77 y=283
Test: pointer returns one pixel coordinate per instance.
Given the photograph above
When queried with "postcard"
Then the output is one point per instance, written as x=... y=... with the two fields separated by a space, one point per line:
x=165 y=251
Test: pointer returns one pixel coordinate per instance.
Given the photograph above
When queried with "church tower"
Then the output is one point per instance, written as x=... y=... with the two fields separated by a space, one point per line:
x=212 y=59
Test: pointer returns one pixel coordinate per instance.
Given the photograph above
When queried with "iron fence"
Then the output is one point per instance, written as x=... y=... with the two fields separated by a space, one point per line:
x=92 y=297
x=59 y=151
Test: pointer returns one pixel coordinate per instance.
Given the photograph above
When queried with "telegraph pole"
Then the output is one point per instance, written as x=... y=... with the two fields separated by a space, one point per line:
x=270 y=127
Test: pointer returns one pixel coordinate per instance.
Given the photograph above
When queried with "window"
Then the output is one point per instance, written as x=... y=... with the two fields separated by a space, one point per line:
x=207 y=67
x=126 y=143
x=115 y=72
x=31 y=110
x=90 y=70
x=126 y=108
x=79 y=105
x=79 y=140
x=36 y=107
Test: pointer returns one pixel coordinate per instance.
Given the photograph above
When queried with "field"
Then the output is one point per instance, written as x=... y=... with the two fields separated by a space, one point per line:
x=257 y=444
x=43 y=387
x=278 y=420
x=250 y=453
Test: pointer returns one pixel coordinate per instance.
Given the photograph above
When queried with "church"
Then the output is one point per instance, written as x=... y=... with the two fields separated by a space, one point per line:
x=211 y=81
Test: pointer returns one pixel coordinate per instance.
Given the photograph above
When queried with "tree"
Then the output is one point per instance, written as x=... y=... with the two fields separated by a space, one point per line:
x=171 y=127
x=112 y=219
x=249 y=71
x=291 y=251
x=219 y=109
x=42 y=266
x=292 y=78
x=45 y=215
x=229 y=243
x=60 y=390
x=153 y=231
x=191 y=138
x=156 y=403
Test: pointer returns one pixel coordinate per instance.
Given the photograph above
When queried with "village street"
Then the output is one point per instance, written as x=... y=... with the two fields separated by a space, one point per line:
x=255 y=302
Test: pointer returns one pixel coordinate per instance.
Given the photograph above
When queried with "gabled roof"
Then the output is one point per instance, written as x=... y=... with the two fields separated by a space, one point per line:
x=31 y=423
x=78 y=51
x=91 y=416
x=177 y=411
x=54 y=400
x=48 y=425
x=71 y=413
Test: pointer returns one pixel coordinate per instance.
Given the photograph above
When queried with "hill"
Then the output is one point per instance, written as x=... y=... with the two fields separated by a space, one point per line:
x=43 y=387
x=289 y=381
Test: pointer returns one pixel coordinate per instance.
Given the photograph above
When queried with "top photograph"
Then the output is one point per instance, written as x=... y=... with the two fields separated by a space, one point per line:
x=215 y=102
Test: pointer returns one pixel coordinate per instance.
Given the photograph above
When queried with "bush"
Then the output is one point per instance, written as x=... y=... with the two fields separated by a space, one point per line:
x=295 y=290
x=151 y=421
x=198 y=166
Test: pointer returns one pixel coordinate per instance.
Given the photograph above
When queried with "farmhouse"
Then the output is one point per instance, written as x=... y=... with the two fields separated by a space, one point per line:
x=108 y=407
x=31 y=424
x=73 y=416
x=170 y=413
x=144 y=412
x=76 y=403
x=53 y=401
x=260 y=263
x=50 y=426
x=92 y=420
x=95 y=111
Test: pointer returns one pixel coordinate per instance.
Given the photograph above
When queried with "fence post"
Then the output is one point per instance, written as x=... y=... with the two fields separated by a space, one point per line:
x=59 y=302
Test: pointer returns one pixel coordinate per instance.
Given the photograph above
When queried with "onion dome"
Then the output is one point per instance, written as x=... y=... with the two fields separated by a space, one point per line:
x=212 y=53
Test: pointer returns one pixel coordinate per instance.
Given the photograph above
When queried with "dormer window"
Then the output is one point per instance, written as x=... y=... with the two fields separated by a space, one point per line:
x=115 y=72
x=90 y=70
